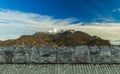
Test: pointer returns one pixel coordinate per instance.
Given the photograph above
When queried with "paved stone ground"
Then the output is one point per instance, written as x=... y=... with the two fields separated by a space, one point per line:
x=59 y=69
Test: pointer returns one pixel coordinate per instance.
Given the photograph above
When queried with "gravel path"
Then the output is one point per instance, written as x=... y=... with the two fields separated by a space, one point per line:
x=59 y=69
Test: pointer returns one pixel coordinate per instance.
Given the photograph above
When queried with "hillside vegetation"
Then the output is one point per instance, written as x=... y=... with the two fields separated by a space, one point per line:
x=66 y=38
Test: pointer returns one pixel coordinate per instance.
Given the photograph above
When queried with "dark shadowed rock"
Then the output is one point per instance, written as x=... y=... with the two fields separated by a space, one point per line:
x=98 y=41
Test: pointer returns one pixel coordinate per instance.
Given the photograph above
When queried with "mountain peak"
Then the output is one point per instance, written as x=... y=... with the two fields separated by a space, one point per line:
x=57 y=38
x=56 y=30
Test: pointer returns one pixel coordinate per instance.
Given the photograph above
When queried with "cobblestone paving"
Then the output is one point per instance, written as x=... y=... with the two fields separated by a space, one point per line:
x=59 y=69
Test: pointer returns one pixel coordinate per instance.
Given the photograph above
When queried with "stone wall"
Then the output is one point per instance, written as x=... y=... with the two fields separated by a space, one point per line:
x=47 y=54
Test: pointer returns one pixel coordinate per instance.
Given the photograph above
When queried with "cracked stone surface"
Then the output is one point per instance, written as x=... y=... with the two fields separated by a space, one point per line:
x=48 y=54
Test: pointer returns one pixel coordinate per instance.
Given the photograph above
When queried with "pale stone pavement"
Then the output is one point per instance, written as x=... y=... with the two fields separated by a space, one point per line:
x=59 y=69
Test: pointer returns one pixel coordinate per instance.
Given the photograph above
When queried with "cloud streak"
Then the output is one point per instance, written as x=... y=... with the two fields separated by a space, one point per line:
x=13 y=24
x=111 y=33
x=116 y=10
x=16 y=23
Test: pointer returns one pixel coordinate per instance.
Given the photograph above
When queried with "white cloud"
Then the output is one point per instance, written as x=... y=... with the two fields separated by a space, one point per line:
x=116 y=10
x=111 y=33
x=13 y=24
x=16 y=23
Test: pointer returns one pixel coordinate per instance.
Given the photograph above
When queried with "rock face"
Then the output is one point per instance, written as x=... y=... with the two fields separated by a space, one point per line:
x=47 y=54
x=66 y=38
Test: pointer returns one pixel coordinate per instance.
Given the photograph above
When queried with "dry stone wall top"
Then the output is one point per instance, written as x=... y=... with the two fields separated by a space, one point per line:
x=47 y=54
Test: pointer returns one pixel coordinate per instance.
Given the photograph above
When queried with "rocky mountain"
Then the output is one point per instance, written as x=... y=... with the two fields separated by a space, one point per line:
x=65 y=38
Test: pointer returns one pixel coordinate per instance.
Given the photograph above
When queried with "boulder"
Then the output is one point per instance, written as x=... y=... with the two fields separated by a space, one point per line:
x=65 y=55
x=21 y=54
x=82 y=54
x=115 y=51
x=105 y=54
x=47 y=54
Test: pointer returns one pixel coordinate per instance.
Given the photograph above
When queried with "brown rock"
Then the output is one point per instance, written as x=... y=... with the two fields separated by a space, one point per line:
x=66 y=38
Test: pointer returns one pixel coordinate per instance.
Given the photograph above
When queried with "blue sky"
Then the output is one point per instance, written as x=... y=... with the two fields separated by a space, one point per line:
x=96 y=17
x=83 y=10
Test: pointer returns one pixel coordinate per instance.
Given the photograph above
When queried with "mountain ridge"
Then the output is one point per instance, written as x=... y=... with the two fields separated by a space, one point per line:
x=64 y=38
